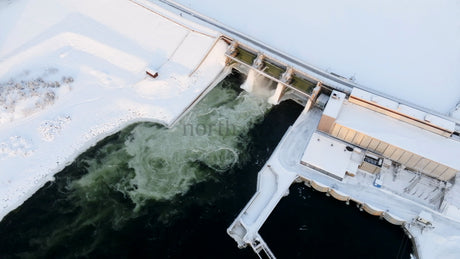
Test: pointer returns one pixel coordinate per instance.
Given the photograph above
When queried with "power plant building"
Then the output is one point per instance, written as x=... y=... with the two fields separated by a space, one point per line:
x=385 y=129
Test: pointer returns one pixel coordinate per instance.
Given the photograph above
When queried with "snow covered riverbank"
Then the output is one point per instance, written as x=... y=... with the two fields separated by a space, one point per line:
x=75 y=74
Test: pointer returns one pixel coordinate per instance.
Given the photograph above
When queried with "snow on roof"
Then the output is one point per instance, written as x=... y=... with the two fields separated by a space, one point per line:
x=334 y=104
x=404 y=109
x=364 y=95
x=395 y=132
x=328 y=154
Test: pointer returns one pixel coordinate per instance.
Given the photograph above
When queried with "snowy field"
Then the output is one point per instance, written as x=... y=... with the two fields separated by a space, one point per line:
x=406 y=49
x=73 y=72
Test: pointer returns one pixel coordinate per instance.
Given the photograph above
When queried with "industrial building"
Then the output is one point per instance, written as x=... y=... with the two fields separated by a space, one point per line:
x=384 y=131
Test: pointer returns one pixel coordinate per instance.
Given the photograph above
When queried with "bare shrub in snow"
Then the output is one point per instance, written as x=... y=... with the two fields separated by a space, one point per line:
x=23 y=95
x=49 y=129
x=47 y=99
x=16 y=146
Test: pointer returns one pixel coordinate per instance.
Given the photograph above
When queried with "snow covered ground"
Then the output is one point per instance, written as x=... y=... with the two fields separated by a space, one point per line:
x=406 y=49
x=442 y=241
x=73 y=72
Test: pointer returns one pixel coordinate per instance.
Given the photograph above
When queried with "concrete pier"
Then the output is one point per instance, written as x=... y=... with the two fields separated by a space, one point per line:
x=275 y=98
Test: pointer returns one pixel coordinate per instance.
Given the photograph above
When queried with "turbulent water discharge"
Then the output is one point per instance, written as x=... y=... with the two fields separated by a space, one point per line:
x=152 y=192
x=151 y=163
x=156 y=163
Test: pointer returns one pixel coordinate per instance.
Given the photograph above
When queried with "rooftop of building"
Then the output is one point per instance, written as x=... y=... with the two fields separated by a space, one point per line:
x=414 y=139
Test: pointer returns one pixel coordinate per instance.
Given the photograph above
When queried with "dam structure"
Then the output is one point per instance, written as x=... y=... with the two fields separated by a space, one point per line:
x=355 y=146
x=391 y=158
x=330 y=149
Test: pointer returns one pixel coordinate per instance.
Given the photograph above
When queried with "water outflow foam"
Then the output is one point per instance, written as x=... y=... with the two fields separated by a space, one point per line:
x=143 y=169
x=156 y=163
x=258 y=84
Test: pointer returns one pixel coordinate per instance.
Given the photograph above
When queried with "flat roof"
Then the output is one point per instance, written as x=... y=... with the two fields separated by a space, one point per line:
x=334 y=105
x=411 y=138
x=327 y=154
x=403 y=109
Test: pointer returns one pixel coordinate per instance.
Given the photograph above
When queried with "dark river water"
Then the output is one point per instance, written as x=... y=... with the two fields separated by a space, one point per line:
x=152 y=192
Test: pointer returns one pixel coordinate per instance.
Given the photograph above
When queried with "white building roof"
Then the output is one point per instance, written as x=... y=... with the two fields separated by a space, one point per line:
x=430 y=145
x=329 y=155
x=403 y=109
x=334 y=105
